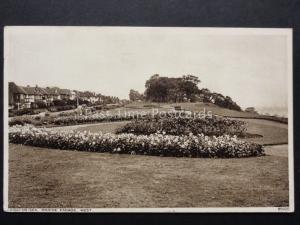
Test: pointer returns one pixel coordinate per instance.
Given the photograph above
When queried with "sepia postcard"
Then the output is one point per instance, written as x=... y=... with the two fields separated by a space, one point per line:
x=148 y=119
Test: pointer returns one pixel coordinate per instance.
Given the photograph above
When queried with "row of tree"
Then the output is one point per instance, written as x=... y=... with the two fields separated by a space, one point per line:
x=181 y=89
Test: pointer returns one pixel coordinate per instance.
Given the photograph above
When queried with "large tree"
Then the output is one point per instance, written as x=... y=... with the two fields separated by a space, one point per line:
x=135 y=95
x=165 y=89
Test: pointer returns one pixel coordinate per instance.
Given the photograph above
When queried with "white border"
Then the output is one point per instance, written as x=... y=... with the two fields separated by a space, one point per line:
x=205 y=31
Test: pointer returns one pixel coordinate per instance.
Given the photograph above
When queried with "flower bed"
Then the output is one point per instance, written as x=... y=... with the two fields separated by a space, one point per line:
x=66 y=120
x=93 y=118
x=184 y=125
x=154 y=144
x=181 y=123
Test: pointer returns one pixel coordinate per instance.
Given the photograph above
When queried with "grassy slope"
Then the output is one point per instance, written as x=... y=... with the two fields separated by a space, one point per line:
x=194 y=107
x=53 y=178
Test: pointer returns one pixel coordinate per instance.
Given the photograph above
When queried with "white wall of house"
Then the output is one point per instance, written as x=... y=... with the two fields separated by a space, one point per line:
x=29 y=98
x=73 y=95
x=93 y=99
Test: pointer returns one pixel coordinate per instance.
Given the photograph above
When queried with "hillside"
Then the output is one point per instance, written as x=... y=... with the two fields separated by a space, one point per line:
x=200 y=106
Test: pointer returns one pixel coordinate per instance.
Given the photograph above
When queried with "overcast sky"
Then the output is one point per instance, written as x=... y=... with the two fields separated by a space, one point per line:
x=249 y=67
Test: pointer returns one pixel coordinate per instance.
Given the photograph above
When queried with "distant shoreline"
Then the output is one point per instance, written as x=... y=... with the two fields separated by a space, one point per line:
x=273 y=111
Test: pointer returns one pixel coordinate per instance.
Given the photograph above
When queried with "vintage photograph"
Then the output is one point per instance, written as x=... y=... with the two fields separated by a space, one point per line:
x=148 y=119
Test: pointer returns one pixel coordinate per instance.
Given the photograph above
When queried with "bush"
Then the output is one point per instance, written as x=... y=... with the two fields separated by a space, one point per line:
x=154 y=144
x=19 y=121
x=65 y=107
x=59 y=102
x=93 y=118
x=11 y=114
x=61 y=108
x=52 y=109
x=38 y=105
x=176 y=125
x=25 y=112
x=99 y=107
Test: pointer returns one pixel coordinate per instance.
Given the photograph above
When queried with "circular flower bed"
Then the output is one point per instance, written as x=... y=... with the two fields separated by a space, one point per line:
x=154 y=144
x=185 y=125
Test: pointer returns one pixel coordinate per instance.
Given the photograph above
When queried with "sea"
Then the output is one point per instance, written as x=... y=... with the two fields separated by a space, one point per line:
x=273 y=111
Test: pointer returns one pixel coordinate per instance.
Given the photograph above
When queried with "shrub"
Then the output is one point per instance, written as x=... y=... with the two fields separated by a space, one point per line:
x=11 y=114
x=155 y=144
x=99 y=107
x=19 y=121
x=65 y=107
x=61 y=108
x=25 y=112
x=52 y=109
x=93 y=118
x=58 y=102
x=38 y=105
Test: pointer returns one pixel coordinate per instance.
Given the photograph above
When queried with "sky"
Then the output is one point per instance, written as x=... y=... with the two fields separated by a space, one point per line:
x=251 y=67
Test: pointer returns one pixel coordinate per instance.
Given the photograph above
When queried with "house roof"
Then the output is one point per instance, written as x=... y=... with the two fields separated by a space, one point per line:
x=46 y=91
x=34 y=90
x=64 y=91
x=52 y=91
x=86 y=94
x=15 y=88
x=58 y=91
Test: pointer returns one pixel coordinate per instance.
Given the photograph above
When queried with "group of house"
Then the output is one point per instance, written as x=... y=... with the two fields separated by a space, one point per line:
x=24 y=96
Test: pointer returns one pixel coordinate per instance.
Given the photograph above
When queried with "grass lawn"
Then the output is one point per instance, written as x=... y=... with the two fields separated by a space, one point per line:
x=272 y=132
x=52 y=178
x=94 y=128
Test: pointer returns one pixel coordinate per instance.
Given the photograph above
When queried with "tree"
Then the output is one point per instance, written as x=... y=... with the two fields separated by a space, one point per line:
x=189 y=85
x=157 y=89
x=165 y=89
x=135 y=95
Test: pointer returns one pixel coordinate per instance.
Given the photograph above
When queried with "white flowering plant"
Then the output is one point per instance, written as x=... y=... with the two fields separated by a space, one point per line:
x=159 y=144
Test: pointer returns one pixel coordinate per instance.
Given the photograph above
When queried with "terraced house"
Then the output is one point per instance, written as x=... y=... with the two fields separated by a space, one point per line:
x=25 y=97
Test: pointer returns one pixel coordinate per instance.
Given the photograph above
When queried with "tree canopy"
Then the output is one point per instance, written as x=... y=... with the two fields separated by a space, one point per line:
x=135 y=95
x=169 y=89
x=182 y=89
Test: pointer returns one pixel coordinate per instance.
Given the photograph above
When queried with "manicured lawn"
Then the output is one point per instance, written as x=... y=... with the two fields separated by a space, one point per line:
x=272 y=132
x=94 y=128
x=52 y=178
x=40 y=177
